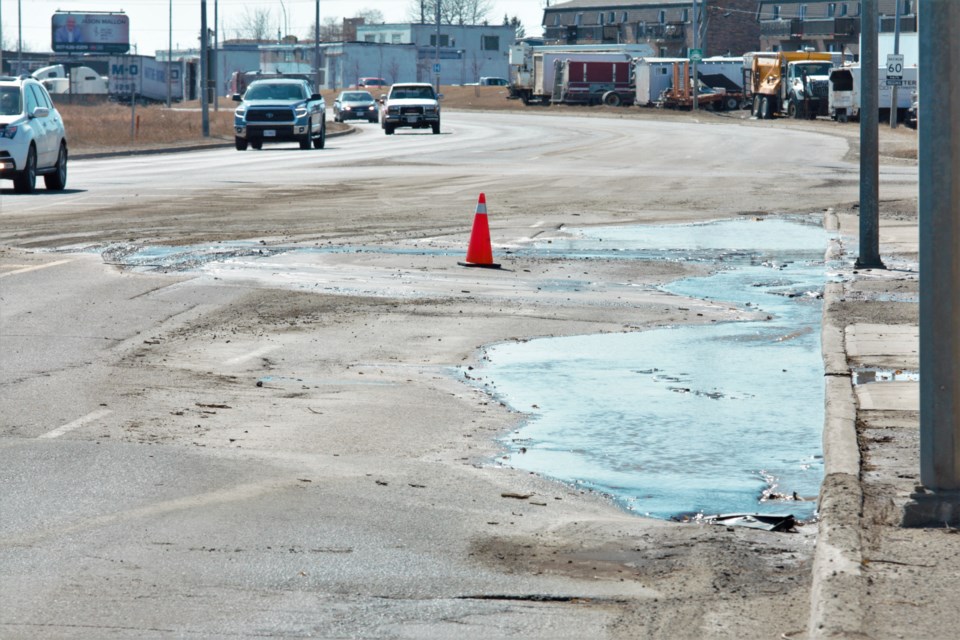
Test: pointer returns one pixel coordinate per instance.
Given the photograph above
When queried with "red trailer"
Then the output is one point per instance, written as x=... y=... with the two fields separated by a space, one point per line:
x=593 y=82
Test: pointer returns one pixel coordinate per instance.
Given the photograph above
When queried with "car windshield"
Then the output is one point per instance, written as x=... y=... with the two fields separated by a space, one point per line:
x=412 y=93
x=357 y=96
x=274 y=92
x=10 y=101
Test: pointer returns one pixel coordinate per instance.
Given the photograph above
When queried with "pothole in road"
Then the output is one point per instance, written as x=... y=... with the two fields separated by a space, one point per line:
x=691 y=420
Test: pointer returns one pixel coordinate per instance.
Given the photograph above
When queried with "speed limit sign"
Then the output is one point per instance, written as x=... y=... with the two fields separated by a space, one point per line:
x=894 y=69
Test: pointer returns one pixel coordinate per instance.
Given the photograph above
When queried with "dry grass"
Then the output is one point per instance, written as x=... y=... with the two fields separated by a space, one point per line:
x=108 y=125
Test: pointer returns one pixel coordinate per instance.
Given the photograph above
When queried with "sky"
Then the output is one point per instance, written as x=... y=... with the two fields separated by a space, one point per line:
x=150 y=19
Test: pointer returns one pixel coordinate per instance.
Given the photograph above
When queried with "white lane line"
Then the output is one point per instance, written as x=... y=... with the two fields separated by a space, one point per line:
x=76 y=424
x=253 y=354
x=34 y=268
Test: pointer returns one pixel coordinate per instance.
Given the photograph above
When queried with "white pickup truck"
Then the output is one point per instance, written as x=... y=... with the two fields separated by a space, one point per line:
x=411 y=104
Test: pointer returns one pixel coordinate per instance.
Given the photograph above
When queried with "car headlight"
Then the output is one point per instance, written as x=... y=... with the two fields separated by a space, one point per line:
x=9 y=131
x=300 y=111
x=430 y=109
x=241 y=111
x=371 y=108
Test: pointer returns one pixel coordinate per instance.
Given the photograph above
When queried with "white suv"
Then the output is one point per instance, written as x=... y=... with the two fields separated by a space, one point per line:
x=411 y=104
x=32 y=137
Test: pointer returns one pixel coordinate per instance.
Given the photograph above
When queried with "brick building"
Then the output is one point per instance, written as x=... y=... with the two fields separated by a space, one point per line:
x=826 y=25
x=727 y=27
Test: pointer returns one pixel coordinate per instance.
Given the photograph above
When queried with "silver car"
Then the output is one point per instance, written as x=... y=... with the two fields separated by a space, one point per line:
x=355 y=105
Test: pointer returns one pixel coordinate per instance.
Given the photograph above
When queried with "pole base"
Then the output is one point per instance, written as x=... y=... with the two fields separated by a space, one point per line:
x=932 y=509
x=490 y=265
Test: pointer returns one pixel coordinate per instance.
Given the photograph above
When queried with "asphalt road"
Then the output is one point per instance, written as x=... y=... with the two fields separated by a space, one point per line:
x=287 y=454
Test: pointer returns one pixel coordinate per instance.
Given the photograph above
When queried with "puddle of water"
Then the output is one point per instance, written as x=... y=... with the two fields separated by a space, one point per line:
x=695 y=419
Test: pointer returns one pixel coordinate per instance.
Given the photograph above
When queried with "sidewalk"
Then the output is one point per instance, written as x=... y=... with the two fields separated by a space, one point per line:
x=873 y=578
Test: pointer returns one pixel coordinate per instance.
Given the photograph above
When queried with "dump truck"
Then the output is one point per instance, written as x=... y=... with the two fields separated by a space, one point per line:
x=788 y=83
x=593 y=82
x=533 y=68
x=845 y=94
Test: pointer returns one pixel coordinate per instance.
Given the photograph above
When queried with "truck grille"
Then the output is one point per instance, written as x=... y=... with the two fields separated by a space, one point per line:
x=410 y=111
x=820 y=88
x=267 y=115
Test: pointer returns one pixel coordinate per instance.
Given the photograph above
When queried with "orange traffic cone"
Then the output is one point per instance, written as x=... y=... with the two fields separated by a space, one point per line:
x=479 y=253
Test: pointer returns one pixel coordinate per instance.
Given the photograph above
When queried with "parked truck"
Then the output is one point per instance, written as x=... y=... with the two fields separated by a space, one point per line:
x=593 y=82
x=533 y=68
x=80 y=80
x=845 y=96
x=144 y=79
x=789 y=83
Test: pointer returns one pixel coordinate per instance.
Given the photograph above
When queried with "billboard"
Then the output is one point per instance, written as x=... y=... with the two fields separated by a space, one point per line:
x=90 y=32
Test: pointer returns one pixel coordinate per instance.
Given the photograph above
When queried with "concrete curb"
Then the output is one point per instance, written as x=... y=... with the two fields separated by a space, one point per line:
x=835 y=601
x=177 y=149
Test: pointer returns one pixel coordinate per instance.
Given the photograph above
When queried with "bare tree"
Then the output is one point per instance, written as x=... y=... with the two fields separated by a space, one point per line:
x=254 y=24
x=458 y=12
x=331 y=29
x=516 y=24
x=370 y=16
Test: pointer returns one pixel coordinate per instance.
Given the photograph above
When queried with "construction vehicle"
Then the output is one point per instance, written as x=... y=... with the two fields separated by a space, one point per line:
x=679 y=95
x=533 y=68
x=845 y=95
x=788 y=83
x=593 y=82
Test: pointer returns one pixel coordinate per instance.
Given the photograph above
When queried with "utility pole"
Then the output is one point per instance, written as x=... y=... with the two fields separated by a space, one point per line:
x=936 y=503
x=215 y=67
x=169 y=51
x=695 y=23
x=869 y=257
x=204 y=72
x=316 y=48
x=436 y=51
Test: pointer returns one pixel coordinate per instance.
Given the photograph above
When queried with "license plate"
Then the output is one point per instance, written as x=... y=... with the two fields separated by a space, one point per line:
x=411 y=119
x=269 y=133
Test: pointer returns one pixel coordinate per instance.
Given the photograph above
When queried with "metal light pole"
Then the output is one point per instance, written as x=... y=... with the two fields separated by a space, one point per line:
x=316 y=49
x=286 y=28
x=19 y=39
x=936 y=503
x=215 y=71
x=696 y=45
x=436 y=51
x=869 y=257
x=204 y=72
x=169 y=52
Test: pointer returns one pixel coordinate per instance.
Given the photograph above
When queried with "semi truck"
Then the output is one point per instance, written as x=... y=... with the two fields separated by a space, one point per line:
x=144 y=79
x=788 y=83
x=80 y=80
x=845 y=96
x=593 y=82
x=533 y=67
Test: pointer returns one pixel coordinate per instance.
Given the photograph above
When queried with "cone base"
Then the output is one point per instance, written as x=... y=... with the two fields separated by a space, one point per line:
x=487 y=265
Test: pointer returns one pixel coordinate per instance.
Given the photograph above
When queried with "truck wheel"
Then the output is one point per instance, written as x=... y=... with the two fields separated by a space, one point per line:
x=766 y=111
x=257 y=144
x=731 y=103
x=240 y=144
x=611 y=99
x=388 y=129
x=321 y=141
x=755 y=107
x=436 y=127
x=793 y=109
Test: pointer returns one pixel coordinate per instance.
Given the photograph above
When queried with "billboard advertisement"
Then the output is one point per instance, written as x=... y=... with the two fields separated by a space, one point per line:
x=90 y=32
